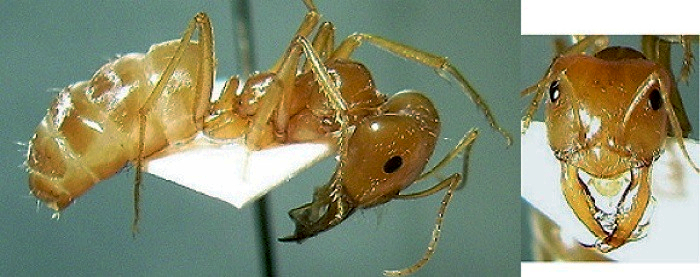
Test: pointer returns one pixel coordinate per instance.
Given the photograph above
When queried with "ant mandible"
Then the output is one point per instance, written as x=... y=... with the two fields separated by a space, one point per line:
x=140 y=104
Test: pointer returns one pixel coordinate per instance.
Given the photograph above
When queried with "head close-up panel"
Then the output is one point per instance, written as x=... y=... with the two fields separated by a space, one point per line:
x=49 y=46
x=609 y=148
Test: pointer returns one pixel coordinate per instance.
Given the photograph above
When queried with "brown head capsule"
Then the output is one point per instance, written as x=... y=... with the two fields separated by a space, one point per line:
x=385 y=154
x=141 y=104
x=607 y=117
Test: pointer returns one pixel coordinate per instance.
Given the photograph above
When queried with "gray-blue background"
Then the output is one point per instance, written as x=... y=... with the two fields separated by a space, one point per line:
x=49 y=45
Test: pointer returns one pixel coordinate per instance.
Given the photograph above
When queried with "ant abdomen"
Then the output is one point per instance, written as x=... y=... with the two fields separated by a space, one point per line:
x=91 y=129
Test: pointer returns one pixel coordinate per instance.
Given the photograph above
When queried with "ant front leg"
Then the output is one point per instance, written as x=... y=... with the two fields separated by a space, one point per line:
x=464 y=146
x=203 y=87
x=329 y=206
x=442 y=64
x=451 y=183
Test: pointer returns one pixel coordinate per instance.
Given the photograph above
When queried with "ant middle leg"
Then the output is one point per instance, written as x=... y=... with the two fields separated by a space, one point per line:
x=308 y=24
x=323 y=43
x=322 y=46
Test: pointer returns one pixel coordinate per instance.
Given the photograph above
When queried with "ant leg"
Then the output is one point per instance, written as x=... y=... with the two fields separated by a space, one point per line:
x=286 y=69
x=688 y=57
x=281 y=90
x=203 y=86
x=307 y=26
x=582 y=43
x=328 y=85
x=596 y=43
x=442 y=64
x=332 y=92
x=666 y=96
x=329 y=207
x=650 y=45
x=323 y=43
x=452 y=183
x=658 y=49
x=539 y=90
x=560 y=45
x=224 y=122
x=338 y=104
x=676 y=100
x=464 y=145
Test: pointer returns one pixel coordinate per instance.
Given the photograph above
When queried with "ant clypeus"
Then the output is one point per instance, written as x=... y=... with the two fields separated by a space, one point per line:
x=608 y=113
x=140 y=104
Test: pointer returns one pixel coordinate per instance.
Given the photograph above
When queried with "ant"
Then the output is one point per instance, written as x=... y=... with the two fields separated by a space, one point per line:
x=607 y=116
x=138 y=105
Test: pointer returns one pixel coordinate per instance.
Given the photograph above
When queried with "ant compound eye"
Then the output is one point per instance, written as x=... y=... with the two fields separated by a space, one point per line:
x=655 y=100
x=393 y=164
x=554 y=92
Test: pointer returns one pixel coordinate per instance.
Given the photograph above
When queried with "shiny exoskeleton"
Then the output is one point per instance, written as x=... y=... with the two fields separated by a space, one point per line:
x=140 y=104
x=607 y=117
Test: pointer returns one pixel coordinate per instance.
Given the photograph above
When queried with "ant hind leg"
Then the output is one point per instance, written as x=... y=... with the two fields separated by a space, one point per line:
x=203 y=88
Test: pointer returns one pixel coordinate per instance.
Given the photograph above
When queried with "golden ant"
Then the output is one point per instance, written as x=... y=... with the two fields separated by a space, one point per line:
x=607 y=116
x=140 y=104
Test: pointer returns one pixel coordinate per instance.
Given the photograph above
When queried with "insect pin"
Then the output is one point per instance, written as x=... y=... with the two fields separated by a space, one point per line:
x=139 y=105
